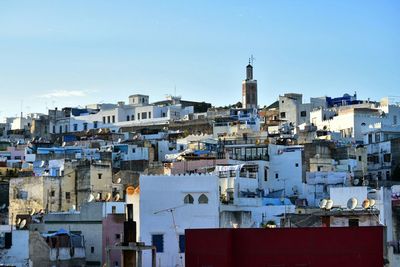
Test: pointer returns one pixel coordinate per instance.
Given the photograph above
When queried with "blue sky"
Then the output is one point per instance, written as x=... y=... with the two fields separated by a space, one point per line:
x=70 y=53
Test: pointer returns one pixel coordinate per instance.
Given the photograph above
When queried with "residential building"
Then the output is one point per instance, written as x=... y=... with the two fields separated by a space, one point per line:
x=165 y=206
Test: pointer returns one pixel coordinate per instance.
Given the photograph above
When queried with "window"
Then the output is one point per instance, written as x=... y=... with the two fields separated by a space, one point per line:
x=113 y=119
x=144 y=115
x=353 y=223
x=66 y=128
x=387 y=175
x=133 y=150
x=297 y=165
x=99 y=175
x=75 y=127
x=283 y=101
x=60 y=128
x=95 y=124
x=22 y=194
x=359 y=158
x=395 y=120
x=117 y=236
x=91 y=249
x=85 y=126
x=108 y=119
x=163 y=115
x=67 y=195
x=276 y=175
x=113 y=209
x=283 y=115
x=203 y=199
x=158 y=241
x=265 y=174
x=387 y=157
x=138 y=116
x=188 y=199
x=377 y=137
x=149 y=114
x=133 y=117
x=52 y=193
x=54 y=129
x=303 y=114
x=127 y=118
x=181 y=243
x=369 y=138
x=104 y=120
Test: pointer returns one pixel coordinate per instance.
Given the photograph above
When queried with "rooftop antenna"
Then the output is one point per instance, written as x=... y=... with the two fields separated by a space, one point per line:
x=251 y=60
x=175 y=90
x=171 y=210
x=22 y=102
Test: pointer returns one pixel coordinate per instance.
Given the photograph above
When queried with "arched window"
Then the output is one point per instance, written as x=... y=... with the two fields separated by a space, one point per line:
x=188 y=199
x=203 y=199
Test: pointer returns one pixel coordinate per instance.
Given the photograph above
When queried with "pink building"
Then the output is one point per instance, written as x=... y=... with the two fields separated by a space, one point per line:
x=113 y=228
x=192 y=166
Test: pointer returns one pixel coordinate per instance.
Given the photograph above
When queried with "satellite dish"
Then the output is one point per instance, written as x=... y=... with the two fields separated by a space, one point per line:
x=100 y=130
x=108 y=196
x=352 y=203
x=366 y=204
x=117 y=197
x=64 y=144
x=90 y=198
x=32 y=212
x=119 y=140
x=372 y=202
x=322 y=203
x=356 y=181
x=18 y=221
x=22 y=224
x=98 y=196
x=329 y=204
x=365 y=182
x=42 y=164
x=3 y=206
x=118 y=180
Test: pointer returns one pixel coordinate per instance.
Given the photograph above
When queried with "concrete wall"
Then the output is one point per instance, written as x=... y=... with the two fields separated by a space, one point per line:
x=18 y=254
x=160 y=193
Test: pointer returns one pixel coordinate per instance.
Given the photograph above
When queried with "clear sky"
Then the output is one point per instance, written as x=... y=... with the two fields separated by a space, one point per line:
x=70 y=53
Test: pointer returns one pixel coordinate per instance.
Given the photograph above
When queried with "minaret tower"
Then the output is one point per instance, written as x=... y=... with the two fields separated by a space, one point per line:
x=249 y=87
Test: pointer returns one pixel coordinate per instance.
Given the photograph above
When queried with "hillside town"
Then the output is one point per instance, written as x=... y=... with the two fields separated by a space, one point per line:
x=122 y=184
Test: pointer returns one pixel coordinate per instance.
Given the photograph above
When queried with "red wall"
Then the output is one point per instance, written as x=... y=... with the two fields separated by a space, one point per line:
x=285 y=247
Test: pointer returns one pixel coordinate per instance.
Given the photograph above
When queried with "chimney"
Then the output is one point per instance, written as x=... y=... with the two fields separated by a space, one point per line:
x=129 y=256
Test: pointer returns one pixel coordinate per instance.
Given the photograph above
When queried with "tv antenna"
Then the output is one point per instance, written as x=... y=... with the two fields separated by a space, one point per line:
x=251 y=60
x=171 y=210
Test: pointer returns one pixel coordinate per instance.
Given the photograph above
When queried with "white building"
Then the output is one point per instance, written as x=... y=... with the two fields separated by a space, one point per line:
x=353 y=121
x=243 y=201
x=293 y=110
x=167 y=205
x=137 y=112
x=285 y=170
x=18 y=254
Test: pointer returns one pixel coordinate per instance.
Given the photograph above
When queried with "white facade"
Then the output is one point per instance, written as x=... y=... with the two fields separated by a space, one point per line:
x=293 y=110
x=161 y=212
x=319 y=184
x=18 y=254
x=285 y=170
x=116 y=116
x=354 y=120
